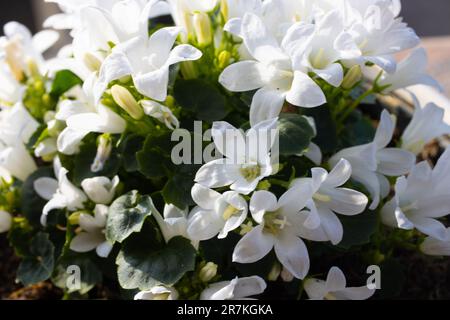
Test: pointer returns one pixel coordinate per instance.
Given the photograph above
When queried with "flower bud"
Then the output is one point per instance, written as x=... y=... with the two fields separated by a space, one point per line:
x=208 y=272
x=92 y=62
x=33 y=68
x=275 y=272
x=286 y=275
x=104 y=150
x=188 y=70
x=224 y=59
x=14 y=59
x=353 y=76
x=203 y=29
x=126 y=101
x=5 y=221
x=74 y=218
x=224 y=9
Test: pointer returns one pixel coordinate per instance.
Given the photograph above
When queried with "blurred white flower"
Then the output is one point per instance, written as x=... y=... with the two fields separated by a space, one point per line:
x=5 y=221
x=161 y=113
x=436 y=247
x=335 y=288
x=278 y=228
x=372 y=162
x=236 y=289
x=421 y=199
x=427 y=124
x=216 y=213
x=247 y=157
x=92 y=235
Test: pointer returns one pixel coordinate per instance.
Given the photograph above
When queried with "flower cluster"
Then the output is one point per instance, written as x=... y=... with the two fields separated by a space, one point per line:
x=308 y=167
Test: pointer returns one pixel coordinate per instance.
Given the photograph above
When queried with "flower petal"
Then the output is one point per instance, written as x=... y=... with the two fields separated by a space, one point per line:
x=292 y=253
x=254 y=246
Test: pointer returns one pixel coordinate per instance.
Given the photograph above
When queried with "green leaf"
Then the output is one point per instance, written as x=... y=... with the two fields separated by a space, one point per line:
x=146 y=266
x=132 y=145
x=154 y=159
x=358 y=130
x=85 y=158
x=295 y=134
x=38 y=266
x=202 y=98
x=177 y=191
x=326 y=137
x=127 y=215
x=64 y=81
x=31 y=203
x=358 y=229
x=90 y=274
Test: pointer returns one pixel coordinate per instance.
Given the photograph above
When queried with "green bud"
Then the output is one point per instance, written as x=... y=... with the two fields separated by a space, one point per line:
x=275 y=272
x=353 y=76
x=208 y=272
x=224 y=59
x=202 y=28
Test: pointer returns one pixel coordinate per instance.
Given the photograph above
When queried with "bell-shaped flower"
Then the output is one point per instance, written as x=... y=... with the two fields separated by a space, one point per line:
x=436 y=247
x=83 y=116
x=148 y=61
x=379 y=33
x=410 y=71
x=372 y=162
x=174 y=223
x=20 y=50
x=421 y=199
x=5 y=221
x=161 y=113
x=329 y=198
x=247 y=157
x=335 y=288
x=183 y=11
x=60 y=193
x=158 y=293
x=101 y=190
x=92 y=235
x=275 y=71
x=279 y=227
x=326 y=46
x=236 y=289
x=426 y=125
x=216 y=214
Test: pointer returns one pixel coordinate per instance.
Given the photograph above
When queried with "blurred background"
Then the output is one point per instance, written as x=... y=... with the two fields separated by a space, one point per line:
x=430 y=19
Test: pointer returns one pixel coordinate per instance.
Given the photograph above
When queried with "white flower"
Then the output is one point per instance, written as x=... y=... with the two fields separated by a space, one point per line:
x=421 y=199
x=5 y=221
x=236 y=289
x=247 y=159
x=174 y=224
x=436 y=247
x=372 y=162
x=378 y=32
x=11 y=90
x=276 y=70
x=148 y=61
x=279 y=228
x=93 y=234
x=329 y=198
x=411 y=71
x=427 y=124
x=83 y=116
x=18 y=48
x=60 y=193
x=216 y=213
x=17 y=160
x=158 y=293
x=161 y=113
x=101 y=190
x=335 y=288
